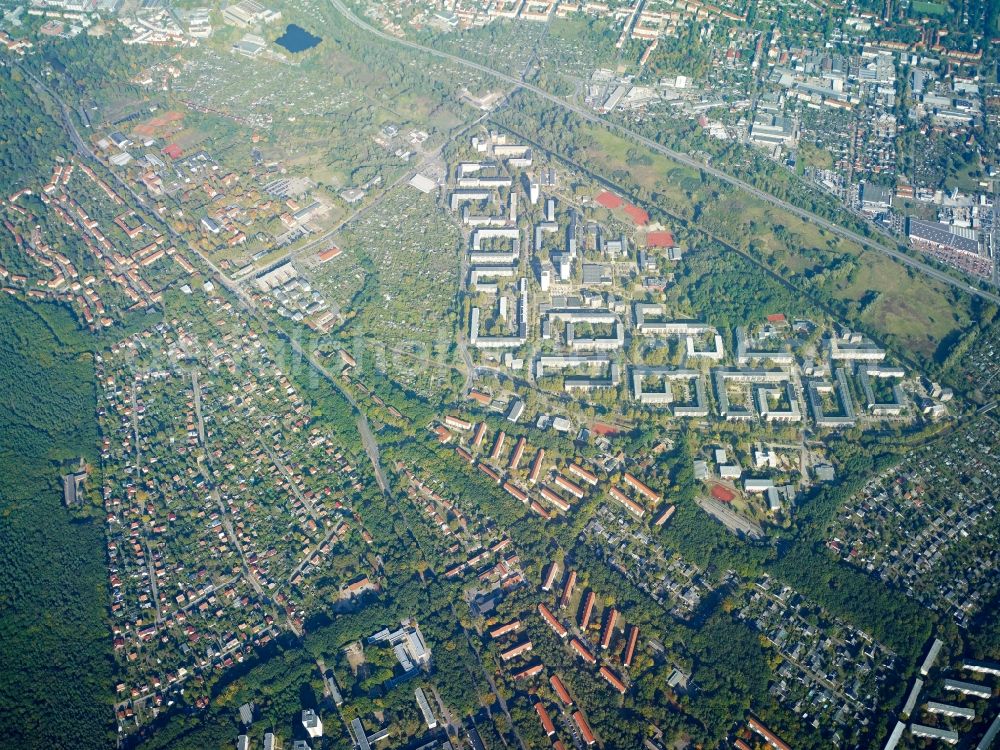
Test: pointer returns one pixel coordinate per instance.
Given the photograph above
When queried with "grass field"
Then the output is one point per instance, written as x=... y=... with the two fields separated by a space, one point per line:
x=906 y=308
x=928 y=8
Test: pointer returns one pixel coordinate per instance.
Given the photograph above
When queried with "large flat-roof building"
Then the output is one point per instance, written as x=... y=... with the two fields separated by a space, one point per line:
x=991 y=734
x=248 y=13
x=934 y=733
x=854 y=347
x=865 y=373
x=507 y=341
x=982 y=667
x=407 y=643
x=875 y=198
x=575 y=382
x=767 y=380
x=772 y=130
x=816 y=390
x=968 y=688
x=746 y=353
x=649 y=321
x=596 y=343
x=931 y=657
x=895 y=736
x=697 y=407
x=942 y=236
x=360 y=738
x=911 y=699
x=717 y=351
x=946 y=709
x=425 y=708
x=312 y=723
x=770 y=413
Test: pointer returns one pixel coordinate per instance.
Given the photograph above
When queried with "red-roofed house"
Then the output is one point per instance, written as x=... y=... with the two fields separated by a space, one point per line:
x=547 y=724
x=612 y=679
x=633 y=638
x=772 y=739
x=561 y=690
x=480 y=397
x=584 y=727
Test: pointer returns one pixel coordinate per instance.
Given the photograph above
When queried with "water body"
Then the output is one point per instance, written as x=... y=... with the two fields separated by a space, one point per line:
x=297 y=39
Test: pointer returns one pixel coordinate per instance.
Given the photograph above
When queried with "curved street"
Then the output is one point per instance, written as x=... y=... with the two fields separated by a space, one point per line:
x=676 y=156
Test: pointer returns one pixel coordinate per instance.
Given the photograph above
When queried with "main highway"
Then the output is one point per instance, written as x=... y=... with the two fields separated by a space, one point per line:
x=676 y=156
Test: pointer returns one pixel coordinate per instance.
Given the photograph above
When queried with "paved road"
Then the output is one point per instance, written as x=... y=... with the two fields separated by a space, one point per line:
x=290 y=478
x=680 y=158
x=821 y=679
x=135 y=420
x=196 y=387
x=489 y=678
x=151 y=568
x=309 y=553
x=367 y=437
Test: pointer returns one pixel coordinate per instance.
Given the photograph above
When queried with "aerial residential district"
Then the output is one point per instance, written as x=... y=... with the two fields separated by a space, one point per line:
x=499 y=374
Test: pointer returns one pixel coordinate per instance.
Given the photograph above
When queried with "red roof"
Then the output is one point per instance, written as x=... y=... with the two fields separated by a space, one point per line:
x=609 y=200
x=567 y=591
x=536 y=465
x=581 y=722
x=582 y=651
x=776 y=318
x=543 y=715
x=529 y=672
x=612 y=679
x=722 y=493
x=515 y=492
x=772 y=739
x=557 y=626
x=561 y=690
x=173 y=151
x=550 y=577
x=638 y=215
x=640 y=486
x=588 y=610
x=661 y=238
x=630 y=648
x=535 y=506
x=628 y=502
x=504 y=629
x=609 y=628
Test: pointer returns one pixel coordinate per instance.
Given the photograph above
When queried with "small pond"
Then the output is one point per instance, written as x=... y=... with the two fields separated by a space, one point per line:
x=297 y=39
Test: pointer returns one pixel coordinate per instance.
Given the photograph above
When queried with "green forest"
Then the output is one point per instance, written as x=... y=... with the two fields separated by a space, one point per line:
x=29 y=137
x=55 y=666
